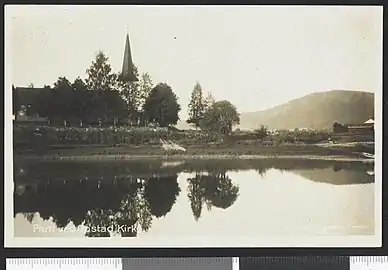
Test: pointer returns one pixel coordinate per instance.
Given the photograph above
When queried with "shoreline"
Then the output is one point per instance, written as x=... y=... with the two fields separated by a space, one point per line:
x=193 y=157
x=236 y=151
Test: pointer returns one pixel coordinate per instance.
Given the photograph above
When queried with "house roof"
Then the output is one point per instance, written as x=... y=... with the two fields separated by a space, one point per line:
x=370 y=121
x=27 y=95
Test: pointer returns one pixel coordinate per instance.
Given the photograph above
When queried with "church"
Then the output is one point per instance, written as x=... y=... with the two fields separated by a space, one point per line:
x=26 y=96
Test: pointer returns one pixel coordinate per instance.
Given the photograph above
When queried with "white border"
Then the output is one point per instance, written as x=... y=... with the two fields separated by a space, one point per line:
x=206 y=241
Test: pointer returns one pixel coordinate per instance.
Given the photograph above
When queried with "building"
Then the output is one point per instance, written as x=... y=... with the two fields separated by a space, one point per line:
x=366 y=127
x=363 y=128
x=26 y=98
x=127 y=72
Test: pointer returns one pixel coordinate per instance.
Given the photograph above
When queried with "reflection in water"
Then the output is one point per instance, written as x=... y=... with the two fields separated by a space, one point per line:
x=103 y=199
x=213 y=189
x=96 y=203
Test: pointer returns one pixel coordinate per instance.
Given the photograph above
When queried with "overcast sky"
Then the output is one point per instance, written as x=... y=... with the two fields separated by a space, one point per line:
x=254 y=56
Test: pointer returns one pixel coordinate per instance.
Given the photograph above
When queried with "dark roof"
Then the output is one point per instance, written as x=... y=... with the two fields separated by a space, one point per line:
x=27 y=95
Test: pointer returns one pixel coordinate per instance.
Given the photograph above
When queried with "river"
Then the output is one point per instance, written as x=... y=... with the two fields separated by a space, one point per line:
x=199 y=197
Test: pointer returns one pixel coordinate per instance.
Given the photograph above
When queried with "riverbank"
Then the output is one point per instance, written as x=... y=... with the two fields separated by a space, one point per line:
x=32 y=142
x=203 y=157
x=206 y=151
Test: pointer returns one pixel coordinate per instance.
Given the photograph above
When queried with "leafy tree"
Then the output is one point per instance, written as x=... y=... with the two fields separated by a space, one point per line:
x=101 y=80
x=45 y=103
x=135 y=94
x=63 y=99
x=145 y=85
x=262 y=132
x=100 y=77
x=82 y=99
x=16 y=106
x=116 y=107
x=196 y=106
x=220 y=118
x=209 y=101
x=131 y=94
x=337 y=127
x=162 y=106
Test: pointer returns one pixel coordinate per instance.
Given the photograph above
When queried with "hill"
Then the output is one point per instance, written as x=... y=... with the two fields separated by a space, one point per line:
x=317 y=110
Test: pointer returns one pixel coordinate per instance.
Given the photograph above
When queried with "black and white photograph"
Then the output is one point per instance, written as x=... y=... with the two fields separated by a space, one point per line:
x=193 y=126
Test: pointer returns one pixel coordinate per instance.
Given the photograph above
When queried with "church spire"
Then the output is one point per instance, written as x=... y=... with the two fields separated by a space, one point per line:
x=127 y=73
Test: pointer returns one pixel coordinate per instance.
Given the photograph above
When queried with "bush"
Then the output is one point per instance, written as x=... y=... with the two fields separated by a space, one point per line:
x=33 y=136
x=36 y=136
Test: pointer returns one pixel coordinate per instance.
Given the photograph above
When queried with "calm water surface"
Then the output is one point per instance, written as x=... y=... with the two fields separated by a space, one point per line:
x=215 y=198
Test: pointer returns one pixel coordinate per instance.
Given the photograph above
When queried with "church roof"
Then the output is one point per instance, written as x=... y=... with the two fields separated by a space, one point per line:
x=127 y=72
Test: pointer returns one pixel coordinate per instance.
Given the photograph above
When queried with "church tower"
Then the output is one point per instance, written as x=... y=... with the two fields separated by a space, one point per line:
x=127 y=73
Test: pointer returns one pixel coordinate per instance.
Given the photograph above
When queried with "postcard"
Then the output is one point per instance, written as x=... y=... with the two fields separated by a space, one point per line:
x=193 y=126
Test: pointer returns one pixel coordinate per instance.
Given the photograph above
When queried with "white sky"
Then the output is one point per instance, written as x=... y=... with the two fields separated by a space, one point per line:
x=255 y=56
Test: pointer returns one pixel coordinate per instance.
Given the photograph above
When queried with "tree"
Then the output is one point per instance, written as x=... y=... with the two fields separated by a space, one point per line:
x=196 y=106
x=209 y=101
x=44 y=102
x=145 y=90
x=131 y=94
x=16 y=106
x=145 y=87
x=63 y=99
x=135 y=95
x=220 y=118
x=262 y=132
x=116 y=107
x=100 y=77
x=337 y=127
x=81 y=102
x=162 y=106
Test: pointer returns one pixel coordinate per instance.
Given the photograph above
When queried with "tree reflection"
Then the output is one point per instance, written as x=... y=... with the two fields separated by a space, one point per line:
x=29 y=216
x=119 y=203
x=196 y=195
x=161 y=193
x=212 y=189
x=262 y=171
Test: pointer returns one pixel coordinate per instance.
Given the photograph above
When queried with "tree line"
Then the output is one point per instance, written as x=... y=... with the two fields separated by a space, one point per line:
x=217 y=117
x=103 y=98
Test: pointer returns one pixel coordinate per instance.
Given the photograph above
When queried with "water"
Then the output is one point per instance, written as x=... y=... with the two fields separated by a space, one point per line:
x=198 y=197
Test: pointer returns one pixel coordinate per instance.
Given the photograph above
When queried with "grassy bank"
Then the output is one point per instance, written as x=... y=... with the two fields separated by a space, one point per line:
x=193 y=151
x=74 y=143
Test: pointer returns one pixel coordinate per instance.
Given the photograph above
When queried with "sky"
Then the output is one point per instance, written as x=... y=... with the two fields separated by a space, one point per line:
x=256 y=57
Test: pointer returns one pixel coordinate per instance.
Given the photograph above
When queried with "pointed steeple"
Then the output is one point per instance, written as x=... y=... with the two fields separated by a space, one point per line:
x=127 y=73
